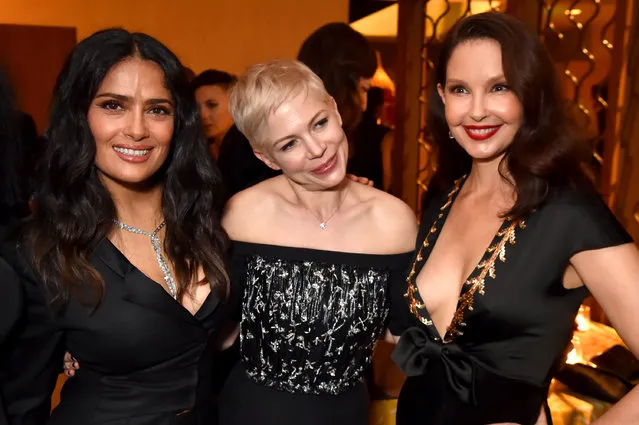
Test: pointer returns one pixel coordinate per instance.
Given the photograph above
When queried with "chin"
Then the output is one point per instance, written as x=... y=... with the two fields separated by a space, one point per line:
x=333 y=180
x=484 y=155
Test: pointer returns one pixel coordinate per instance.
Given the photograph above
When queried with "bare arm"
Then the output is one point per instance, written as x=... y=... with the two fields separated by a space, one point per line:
x=612 y=276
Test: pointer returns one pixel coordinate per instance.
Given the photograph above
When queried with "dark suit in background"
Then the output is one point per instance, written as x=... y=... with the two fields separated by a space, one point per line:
x=239 y=167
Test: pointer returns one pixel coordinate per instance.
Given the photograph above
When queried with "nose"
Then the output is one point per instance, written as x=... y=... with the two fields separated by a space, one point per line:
x=316 y=148
x=478 y=108
x=204 y=116
x=136 y=128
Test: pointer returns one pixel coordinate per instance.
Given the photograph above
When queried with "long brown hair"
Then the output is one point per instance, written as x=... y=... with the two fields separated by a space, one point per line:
x=340 y=56
x=75 y=212
x=546 y=153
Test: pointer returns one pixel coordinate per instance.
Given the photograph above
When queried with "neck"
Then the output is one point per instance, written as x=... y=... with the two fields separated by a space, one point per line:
x=138 y=207
x=485 y=180
x=322 y=204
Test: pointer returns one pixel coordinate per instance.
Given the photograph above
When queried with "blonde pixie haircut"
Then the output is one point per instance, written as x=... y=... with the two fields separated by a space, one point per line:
x=263 y=88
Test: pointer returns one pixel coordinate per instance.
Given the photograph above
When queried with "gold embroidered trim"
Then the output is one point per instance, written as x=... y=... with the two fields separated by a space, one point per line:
x=487 y=267
x=414 y=305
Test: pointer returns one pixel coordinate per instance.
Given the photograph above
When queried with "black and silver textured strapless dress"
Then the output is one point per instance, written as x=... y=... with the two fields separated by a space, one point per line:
x=309 y=322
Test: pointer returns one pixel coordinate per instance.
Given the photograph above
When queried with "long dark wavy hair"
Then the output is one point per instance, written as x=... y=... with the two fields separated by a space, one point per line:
x=340 y=56
x=547 y=152
x=75 y=212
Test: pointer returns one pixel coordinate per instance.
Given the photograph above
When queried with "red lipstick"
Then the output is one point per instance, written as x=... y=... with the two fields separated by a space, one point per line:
x=481 y=132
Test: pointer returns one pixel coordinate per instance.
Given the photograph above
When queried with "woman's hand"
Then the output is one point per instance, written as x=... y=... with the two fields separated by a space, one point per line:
x=362 y=180
x=70 y=365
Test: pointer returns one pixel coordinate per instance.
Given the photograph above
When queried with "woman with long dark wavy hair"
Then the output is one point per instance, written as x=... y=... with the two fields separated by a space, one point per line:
x=507 y=253
x=122 y=262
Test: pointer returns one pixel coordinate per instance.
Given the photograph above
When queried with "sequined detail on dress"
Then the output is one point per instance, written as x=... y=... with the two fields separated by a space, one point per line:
x=474 y=284
x=478 y=283
x=310 y=327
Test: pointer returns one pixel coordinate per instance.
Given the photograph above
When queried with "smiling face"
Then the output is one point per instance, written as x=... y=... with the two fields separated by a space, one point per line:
x=482 y=113
x=131 y=119
x=304 y=138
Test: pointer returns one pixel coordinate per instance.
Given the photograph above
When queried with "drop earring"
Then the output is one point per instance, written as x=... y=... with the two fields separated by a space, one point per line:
x=450 y=135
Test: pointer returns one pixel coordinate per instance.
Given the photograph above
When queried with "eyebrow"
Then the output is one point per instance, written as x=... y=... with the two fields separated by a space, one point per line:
x=492 y=80
x=281 y=139
x=123 y=98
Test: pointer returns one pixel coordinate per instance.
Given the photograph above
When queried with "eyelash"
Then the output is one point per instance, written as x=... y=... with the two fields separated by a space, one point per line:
x=114 y=106
x=111 y=105
x=321 y=123
x=318 y=125
x=288 y=145
x=458 y=89
x=163 y=110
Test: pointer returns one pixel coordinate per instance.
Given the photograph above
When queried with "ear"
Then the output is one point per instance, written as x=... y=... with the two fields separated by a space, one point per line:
x=266 y=160
x=440 y=91
x=334 y=106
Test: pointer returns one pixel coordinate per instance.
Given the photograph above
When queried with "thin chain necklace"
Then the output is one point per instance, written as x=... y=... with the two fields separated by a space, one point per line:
x=323 y=224
x=157 y=247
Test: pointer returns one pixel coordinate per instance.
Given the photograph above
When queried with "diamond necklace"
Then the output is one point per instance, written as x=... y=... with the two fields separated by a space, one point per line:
x=157 y=247
x=323 y=224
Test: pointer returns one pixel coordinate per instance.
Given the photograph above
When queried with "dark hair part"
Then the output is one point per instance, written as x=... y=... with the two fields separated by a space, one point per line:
x=340 y=56
x=75 y=212
x=546 y=153
x=213 y=77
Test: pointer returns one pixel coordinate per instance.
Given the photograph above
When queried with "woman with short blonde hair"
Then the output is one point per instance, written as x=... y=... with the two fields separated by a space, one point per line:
x=315 y=254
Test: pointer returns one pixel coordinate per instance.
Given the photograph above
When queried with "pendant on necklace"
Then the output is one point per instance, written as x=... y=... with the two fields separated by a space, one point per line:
x=323 y=226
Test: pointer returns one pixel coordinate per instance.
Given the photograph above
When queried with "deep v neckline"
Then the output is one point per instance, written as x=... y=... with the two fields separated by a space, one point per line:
x=161 y=292
x=474 y=282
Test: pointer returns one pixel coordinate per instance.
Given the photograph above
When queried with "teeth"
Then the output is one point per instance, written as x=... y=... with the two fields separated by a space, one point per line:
x=481 y=132
x=132 y=152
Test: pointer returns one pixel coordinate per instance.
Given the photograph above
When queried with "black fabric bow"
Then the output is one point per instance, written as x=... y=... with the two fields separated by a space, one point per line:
x=416 y=348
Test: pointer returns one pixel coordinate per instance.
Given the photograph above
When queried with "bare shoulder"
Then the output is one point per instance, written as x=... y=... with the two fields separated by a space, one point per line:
x=395 y=220
x=246 y=210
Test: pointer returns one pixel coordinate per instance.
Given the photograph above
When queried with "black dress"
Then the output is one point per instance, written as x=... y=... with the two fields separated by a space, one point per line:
x=10 y=312
x=513 y=322
x=144 y=359
x=310 y=319
x=238 y=164
x=367 y=156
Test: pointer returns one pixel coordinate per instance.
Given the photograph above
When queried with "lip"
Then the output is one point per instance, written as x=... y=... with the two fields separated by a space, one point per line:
x=485 y=131
x=327 y=166
x=132 y=158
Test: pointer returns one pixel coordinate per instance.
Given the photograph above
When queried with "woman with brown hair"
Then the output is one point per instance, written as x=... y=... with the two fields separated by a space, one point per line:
x=507 y=253
x=346 y=62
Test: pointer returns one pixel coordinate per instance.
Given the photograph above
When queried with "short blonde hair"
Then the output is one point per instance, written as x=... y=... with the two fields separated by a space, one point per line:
x=263 y=88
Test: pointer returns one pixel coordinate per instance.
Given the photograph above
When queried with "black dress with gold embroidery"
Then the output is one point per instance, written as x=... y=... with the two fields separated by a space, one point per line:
x=514 y=318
